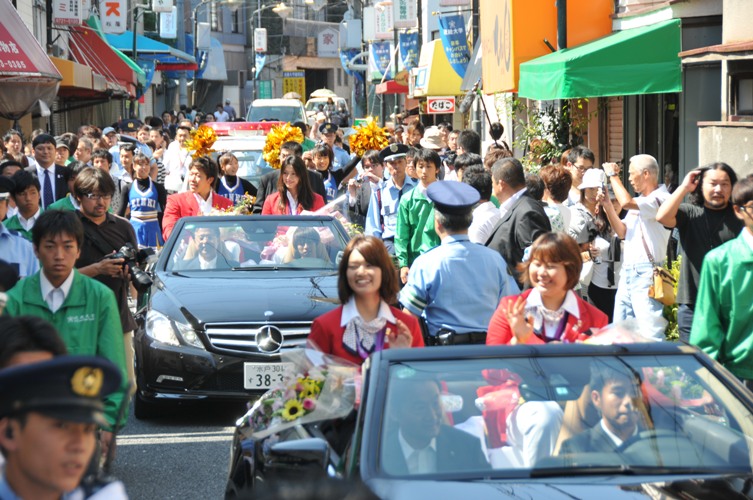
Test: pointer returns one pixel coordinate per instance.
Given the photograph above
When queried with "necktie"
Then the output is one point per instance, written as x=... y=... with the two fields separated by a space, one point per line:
x=379 y=203
x=48 y=197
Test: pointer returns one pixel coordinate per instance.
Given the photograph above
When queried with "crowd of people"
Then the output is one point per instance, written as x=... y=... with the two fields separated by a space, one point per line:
x=460 y=245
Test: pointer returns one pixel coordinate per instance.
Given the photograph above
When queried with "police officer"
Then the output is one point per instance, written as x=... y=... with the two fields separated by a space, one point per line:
x=456 y=286
x=327 y=132
x=49 y=413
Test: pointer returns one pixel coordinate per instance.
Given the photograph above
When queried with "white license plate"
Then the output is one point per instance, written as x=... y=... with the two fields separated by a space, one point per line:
x=263 y=375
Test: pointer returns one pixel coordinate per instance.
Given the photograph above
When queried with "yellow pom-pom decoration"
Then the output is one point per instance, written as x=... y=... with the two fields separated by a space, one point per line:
x=367 y=137
x=276 y=137
x=201 y=141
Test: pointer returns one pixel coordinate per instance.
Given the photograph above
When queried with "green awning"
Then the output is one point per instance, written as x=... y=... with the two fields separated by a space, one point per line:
x=629 y=62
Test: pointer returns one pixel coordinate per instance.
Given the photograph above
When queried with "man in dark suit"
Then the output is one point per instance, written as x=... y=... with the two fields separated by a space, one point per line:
x=268 y=182
x=53 y=178
x=523 y=218
x=360 y=189
x=614 y=394
x=210 y=252
x=418 y=442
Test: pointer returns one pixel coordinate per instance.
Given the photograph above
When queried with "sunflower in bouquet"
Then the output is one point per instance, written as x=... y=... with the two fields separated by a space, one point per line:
x=277 y=136
x=367 y=137
x=201 y=141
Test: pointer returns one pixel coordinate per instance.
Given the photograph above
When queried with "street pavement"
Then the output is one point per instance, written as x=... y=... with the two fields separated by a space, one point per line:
x=183 y=454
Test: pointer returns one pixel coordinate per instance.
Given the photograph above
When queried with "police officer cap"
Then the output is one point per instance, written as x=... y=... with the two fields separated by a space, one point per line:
x=130 y=125
x=6 y=187
x=453 y=198
x=327 y=128
x=68 y=388
x=394 y=151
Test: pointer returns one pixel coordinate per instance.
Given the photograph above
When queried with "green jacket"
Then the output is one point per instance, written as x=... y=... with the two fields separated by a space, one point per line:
x=88 y=323
x=414 y=233
x=723 y=319
x=64 y=203
x=15 y=225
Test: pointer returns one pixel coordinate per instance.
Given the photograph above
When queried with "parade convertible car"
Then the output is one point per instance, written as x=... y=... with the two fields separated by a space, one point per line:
x=521 y=422
x=230 y=293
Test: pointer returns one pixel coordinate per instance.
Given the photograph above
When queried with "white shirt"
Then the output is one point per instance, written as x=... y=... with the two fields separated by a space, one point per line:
x=207 y=264
x=350 y=311
x=570 y=305
x=505 y=207
x=564 y=211
x=425 y=462
x=221 y=116
x=74 y=201
x=485 y=217
x=205 y=206
x=292 y=202
x=175 y=160
x=41 y=175
x=55 y=296
x=748 y=237
x=653 y=232
x=27 y=224
x=615 y=439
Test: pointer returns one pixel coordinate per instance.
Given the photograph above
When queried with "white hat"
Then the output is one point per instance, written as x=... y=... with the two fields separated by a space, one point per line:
x=593 y=178
x=432 y=138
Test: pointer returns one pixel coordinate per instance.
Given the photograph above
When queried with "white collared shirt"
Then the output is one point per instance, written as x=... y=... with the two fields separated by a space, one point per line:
x=748 y=237
x=570 y=305
x=426 y=462
x=207 y=264
x=505 y=207
x=55 y=296
x=292 y=202
x=350 y=311
x=74 y=201
x=41 y=174
x=27 y=224
x=615 y=439
x=485 y=217
x=205 y=206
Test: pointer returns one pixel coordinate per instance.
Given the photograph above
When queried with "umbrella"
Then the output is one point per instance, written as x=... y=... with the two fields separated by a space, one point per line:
x=323 y=93
x=292 y=95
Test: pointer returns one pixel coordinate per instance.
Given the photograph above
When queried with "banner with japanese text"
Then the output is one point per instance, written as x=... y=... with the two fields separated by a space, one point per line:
x=380 y=55
x=261 y=60
x=404 y=14
x=455 y=43
x=114 y=16
x=409 y=49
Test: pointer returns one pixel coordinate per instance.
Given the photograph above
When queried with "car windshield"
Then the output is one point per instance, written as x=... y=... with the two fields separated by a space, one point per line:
x=562 y=416
x=313 y=104
x=251 y=164
x=233 y=244
x=288 y=114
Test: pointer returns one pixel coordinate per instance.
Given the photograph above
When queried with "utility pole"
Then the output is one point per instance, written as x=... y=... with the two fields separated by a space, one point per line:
x=183 y=77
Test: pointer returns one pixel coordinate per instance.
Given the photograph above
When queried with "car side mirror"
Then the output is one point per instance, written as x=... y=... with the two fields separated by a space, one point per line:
x=339 y=257
x=290 y=459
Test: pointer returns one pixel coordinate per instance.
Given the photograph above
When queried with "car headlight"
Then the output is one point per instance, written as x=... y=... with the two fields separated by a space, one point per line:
x=168 y=331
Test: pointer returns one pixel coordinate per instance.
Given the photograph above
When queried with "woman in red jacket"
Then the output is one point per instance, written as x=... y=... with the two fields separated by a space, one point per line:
x=294 y=193
x=365 y=322
x=550 y=310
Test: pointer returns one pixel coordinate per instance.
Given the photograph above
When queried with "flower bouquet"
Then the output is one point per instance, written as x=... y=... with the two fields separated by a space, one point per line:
x=277 y=136
x=315 y=387
x=201 y=141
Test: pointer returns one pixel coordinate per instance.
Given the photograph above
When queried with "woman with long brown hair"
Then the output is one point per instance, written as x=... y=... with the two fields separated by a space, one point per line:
x=294 y=193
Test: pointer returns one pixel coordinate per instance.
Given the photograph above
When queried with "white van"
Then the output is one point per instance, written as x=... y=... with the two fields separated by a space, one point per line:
x=276 y=110
x=313 y=107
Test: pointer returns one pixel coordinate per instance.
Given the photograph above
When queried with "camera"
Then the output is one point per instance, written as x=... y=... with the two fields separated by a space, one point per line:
x=135 y=260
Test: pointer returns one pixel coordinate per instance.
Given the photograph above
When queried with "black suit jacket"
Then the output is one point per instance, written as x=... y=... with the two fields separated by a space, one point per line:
x=456 y=451
x=517 y=230
x=61 y=181
x=268 y=185
x=361 y=208
x=594 y=440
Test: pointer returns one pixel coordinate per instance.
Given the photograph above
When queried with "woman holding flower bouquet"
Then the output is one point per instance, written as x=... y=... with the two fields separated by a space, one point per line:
x=549 y=311
x=294 y=193
x=365 y=322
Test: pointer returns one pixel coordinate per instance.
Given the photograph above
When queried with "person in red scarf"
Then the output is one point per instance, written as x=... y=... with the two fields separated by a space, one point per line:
x=365 y=322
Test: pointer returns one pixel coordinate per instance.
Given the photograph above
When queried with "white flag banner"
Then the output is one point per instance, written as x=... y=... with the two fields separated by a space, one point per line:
x=404 y=14
x=114 y=15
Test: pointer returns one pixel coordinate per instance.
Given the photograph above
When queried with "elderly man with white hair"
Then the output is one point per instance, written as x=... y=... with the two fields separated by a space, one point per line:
x=645 y=241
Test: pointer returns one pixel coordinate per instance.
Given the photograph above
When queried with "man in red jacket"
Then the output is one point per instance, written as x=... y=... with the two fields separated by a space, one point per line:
x=200 y=198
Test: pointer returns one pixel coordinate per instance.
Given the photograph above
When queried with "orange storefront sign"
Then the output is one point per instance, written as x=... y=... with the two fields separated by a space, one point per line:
x=513 y=32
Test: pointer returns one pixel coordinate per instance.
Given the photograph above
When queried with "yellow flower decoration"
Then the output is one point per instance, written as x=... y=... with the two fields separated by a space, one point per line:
x=292 y=410
x=276 y=137
x=367 y=137
x=201 y=141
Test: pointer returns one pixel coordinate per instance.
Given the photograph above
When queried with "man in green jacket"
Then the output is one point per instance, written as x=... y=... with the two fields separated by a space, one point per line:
x=415 y=233
x=724 y=308
x=83 y=310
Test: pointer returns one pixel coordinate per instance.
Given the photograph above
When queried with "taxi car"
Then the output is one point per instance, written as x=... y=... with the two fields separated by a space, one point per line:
x=231 y=293
x=516 y=422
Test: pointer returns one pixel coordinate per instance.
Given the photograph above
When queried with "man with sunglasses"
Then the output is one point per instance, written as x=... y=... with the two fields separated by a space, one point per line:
x=723 y=312
x=105 y=234
x=579 y=159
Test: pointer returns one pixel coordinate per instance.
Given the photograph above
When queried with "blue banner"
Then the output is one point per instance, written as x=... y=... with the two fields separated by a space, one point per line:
x=261 y=60
x=409 y=49
x=379 y=60
x=455 y=42
x=148 y=67
x=345 y=56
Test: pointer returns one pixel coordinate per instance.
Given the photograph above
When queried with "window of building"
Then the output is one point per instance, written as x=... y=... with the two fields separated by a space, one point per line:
x=742 y=95
x=215 y=17
x=236 y=20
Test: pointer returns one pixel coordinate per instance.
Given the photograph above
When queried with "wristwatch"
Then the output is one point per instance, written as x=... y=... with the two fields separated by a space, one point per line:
x=613 y=174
